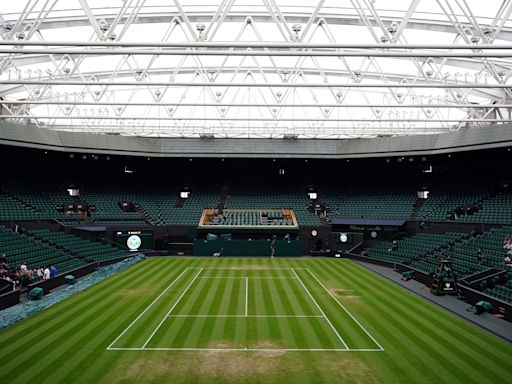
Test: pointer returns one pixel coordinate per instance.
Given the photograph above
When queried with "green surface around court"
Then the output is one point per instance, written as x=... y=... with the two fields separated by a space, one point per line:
x=249 y=320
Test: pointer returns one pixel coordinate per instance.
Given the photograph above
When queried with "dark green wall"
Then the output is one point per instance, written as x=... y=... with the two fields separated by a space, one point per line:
x=246 y=247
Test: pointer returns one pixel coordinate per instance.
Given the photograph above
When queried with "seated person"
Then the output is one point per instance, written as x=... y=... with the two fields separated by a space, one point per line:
x=479 y=255
x=394 y=246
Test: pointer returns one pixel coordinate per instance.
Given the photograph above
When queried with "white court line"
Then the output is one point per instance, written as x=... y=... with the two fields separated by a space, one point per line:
x=346 y=310
x=255 y=316
x=252 y=277
x=245 y=269
x=145 y=310
x=246 y=296
x=219 y=277
x=250 y=349
x=320 y=309
x=174 y=306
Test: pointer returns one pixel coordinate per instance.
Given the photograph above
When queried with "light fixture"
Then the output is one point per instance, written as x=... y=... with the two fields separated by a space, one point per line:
x=296 y=29
x=104 y=26
x=201 y=28
x=487 y=31
x=8 y=27
x=393 y=28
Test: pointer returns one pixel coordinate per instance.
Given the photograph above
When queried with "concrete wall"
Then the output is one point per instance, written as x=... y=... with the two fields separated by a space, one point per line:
x=462 y=140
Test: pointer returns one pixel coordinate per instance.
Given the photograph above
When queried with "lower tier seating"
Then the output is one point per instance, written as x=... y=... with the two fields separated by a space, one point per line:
x=499 y=287
x=414 y=248
x=89 y=251
x=23 y=248
x=423 y=251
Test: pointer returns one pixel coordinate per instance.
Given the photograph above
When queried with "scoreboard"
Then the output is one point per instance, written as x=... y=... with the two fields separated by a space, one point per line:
x=134 y=240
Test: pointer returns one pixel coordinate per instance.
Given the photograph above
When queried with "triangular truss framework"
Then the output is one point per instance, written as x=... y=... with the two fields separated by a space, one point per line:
x=155 y=68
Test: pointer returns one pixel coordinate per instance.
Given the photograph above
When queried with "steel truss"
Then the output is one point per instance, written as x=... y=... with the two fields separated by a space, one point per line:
x=215 y=69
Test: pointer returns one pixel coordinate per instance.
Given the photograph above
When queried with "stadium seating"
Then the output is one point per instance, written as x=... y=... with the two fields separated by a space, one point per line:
x=271 y=199
x=500 y=288
x=24 y=202
x=21 y=248
x=486 y=207
x=444 y=200
x=491 y=243
x=423 y=251
x=415 y=248
x=89 y=251
x=251 y=218
x=497 y=209
x=106 y=200
x=12 y=209
x=369 y=204
x=161 y=205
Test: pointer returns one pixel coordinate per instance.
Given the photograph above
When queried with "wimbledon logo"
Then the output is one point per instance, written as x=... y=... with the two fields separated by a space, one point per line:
x=133 y=242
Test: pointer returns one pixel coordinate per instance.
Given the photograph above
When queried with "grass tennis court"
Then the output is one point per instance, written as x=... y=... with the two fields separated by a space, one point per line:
x=254 y=309
x=255 y=320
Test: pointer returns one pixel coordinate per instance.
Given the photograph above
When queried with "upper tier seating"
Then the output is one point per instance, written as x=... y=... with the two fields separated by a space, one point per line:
x=271 y=199
x=444 y=200
x=12 y=209
x=369 y=204
x=472 y=203
x=167 y=208
x=108 y=210
x=497 y=209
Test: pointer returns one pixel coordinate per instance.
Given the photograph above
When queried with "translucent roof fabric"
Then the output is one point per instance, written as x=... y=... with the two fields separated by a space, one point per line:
x=268 y=68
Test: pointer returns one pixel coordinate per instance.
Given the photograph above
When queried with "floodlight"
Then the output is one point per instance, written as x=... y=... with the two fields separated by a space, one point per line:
x=296 y=28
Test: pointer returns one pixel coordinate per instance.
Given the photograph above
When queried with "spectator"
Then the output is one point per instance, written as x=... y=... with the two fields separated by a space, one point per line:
x=6 y=277
x=53 y=272
x=508 y=245
x=23 y=268
x=394 y=246
x=3 y=258
x=480 y=256
x=46 y=273
x=507 y=260
x=40 y=272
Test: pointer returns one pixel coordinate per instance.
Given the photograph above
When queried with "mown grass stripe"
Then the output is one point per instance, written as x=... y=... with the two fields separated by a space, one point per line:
x=424 y=310
x=412 y=322
x=423 y=343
